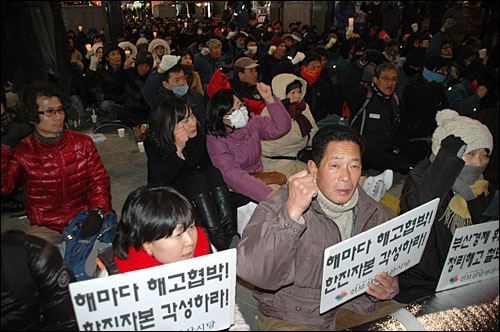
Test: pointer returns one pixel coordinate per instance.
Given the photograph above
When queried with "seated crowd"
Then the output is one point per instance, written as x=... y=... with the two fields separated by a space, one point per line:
x=309 y=126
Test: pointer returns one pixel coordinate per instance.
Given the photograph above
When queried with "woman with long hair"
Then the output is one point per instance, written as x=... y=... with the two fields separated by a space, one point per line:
x=177 y=155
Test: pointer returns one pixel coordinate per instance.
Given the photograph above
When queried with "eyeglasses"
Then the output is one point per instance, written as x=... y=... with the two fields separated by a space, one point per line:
x=392 y=79
x=52 y=112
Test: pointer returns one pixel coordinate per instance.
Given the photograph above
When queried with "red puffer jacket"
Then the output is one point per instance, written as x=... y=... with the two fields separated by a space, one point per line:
x=59 y=180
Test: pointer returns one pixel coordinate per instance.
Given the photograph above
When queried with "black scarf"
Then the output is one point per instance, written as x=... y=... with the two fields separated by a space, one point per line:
x=380 y=93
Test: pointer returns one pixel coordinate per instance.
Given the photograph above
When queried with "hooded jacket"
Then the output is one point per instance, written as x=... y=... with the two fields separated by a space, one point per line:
x=284 y=259
x=151 y=48
x=292 y=142
x=59 y=180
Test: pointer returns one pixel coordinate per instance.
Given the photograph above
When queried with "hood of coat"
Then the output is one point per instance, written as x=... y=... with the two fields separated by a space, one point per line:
x=154 y=43
x=281 y=81
x=129 y=45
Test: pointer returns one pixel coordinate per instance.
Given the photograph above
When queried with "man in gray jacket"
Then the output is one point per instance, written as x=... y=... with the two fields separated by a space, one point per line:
x=282 y=246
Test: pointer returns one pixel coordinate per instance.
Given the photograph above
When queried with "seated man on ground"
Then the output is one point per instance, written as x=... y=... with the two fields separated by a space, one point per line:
x=60 y=170
x=282 y=246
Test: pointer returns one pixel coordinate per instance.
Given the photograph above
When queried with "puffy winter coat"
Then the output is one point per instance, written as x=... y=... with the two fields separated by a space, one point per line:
x=292 y=142
x=35 y=293
x=59 y=180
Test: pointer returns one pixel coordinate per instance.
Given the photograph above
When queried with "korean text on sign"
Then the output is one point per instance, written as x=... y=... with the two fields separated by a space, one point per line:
x=177 y=296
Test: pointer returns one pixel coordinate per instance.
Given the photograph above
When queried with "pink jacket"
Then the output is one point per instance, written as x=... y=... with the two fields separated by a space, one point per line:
x=239 y=153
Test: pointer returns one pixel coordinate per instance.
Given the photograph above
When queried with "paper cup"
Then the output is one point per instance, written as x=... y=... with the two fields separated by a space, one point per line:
x=121 y=132
x=94 y=118
x=140 y=145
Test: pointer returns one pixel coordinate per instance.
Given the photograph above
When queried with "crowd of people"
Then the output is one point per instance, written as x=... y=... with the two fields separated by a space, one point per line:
x=309 y=125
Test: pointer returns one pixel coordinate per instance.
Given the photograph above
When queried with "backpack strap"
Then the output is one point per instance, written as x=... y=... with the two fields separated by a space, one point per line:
x=362 y=110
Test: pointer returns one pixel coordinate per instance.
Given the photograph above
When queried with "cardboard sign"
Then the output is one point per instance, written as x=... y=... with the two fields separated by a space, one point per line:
x=392 y=247
x=473 y=256
x=194 y=294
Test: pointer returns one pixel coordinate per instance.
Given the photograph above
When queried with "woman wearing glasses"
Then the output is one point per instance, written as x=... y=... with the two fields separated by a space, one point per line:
x=233 y=139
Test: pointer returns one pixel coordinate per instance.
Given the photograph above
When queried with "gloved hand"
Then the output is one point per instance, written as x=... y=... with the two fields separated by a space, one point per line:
x=449 y=23
x=205 y=51
x=331 y=42
x=271 y=50
x=92 y=224
x=349 y=33
x=231 y=34
x=298 y=58
x=371 y=55
x=454 y=144
x=168 y=61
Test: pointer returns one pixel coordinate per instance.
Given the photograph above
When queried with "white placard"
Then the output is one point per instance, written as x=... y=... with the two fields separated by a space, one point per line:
x=391 y=247
x=193 y=294
x=473 y=256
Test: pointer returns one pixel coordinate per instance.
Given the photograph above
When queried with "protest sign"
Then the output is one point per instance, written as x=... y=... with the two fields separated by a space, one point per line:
x=473 y=256
x=194 y=294
x=392 y=247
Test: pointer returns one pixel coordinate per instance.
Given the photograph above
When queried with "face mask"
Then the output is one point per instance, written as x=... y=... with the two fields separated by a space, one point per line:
x=269 y=30
x=311 y=75
x=251 y=50
x=239 y=46
x=433 y=76
x=199 y=32
x=180 y=91
x=169 y=42
x=239 y=118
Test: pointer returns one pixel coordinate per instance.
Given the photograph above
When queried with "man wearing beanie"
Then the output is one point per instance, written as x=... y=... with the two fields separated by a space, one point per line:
x=271 y=60
x=460 y=152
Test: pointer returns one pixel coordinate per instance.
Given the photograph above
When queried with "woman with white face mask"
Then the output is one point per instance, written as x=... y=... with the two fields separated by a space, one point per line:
x=233 y=140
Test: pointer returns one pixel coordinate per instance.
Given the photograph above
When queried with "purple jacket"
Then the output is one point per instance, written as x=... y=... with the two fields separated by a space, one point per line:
x=239 y=153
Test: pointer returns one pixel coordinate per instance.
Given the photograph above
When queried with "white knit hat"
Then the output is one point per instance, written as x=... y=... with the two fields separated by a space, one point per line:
x=475 y=134
x=168 y=61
